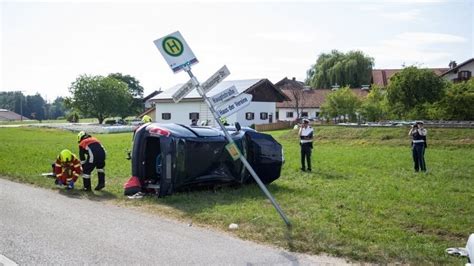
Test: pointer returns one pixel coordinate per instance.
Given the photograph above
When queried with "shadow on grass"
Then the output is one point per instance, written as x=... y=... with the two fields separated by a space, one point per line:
x=199 y=199
x=91 y=195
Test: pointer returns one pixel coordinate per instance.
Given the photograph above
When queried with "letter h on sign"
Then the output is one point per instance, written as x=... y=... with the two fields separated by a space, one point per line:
x=173 y=46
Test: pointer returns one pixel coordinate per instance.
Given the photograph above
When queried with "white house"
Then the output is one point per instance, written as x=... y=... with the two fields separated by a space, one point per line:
x=461 y=72
x=260 y=111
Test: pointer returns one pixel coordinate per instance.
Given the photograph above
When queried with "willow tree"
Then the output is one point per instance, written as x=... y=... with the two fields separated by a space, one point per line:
x=352 y=69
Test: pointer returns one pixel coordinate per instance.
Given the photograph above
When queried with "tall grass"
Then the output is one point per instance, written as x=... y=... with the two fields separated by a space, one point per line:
x=362 y=201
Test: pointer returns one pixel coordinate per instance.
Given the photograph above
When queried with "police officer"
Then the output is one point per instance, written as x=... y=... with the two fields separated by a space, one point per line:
x=306 y=143
x=92 y=155
x=418 y=133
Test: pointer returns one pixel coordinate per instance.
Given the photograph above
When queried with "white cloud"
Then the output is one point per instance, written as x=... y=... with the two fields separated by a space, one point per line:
x=413 y=48
x=411 y=39
x=408 y=15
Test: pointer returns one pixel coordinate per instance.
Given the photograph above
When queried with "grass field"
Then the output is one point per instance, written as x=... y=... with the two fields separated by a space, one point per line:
x=362 y=201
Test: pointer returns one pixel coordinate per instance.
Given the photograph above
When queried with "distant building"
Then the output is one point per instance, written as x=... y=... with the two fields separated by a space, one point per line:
x=311 y=101
x=6 y=115
x=461 y=72
x=381 y=77
x=147 y=99
x=261 y=110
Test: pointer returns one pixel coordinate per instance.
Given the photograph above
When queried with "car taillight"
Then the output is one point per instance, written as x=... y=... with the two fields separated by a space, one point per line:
x=158 y=131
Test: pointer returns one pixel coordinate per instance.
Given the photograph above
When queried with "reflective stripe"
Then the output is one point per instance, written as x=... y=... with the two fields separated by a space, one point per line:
x=418 y=141
x=83 y=162
x=100 y=171
x=91 y=155
x=86 y=176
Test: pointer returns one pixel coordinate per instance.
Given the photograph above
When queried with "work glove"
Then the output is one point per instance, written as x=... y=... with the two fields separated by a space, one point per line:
x=70 y=185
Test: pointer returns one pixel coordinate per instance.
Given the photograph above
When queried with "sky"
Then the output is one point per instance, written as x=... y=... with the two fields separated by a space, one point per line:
x=45 y=46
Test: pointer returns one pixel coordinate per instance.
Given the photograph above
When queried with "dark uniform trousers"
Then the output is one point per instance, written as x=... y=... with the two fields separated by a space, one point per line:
x=418 y=151
x=306 y=154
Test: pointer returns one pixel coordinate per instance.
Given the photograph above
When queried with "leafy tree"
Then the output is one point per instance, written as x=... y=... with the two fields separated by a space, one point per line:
x=35 y=107
x=352 y=69
x=99 y=97
x=374 y=107
x=458 y=103
x=411 y=88
x=14 y=101
x=341 y=103
x=72 y=117
x=136 y=90
x=58 y=108
x=134 y=87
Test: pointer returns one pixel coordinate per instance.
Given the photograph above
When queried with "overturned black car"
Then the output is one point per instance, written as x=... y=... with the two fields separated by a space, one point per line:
x=171 y=157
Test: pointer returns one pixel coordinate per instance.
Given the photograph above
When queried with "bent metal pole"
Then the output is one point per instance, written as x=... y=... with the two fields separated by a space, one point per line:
x=229 y=138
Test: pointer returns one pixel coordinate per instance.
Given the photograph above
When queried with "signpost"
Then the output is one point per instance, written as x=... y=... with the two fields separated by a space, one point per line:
x=224 y=95
x=234 y=105
x=176 y=51
x=215 y=79
x=183 y=91
x=173 y=45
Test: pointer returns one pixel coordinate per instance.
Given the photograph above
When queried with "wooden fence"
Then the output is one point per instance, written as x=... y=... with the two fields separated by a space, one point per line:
x=275 y=126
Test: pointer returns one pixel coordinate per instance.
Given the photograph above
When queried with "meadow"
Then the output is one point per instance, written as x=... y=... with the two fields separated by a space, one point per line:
x=363 y=201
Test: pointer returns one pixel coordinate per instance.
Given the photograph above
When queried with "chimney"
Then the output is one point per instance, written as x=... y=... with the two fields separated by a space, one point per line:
x=293 y=79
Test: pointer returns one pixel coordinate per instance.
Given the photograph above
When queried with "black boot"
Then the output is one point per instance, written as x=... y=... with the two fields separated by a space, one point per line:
x=101 y=184
x=87 y=184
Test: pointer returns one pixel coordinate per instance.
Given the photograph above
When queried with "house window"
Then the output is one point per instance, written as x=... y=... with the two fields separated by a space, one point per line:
x=289 y=114
x=304 y=114
x=277 y=115
x=317 y=114
x=194 y=116
x=263 y=116
x=464 y=74
x=166 y=116
x=249 y=116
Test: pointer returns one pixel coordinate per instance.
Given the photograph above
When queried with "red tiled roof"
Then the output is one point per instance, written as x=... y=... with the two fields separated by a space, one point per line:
x=289 y=84
x=381 y=77
x=6 y=115
x=313 y=98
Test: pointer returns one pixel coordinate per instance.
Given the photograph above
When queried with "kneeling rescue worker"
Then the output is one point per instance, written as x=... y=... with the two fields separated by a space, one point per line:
x=67 y=169
x=92 y=155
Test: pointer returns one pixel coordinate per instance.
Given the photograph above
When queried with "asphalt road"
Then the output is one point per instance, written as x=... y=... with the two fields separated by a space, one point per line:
x=40 y=226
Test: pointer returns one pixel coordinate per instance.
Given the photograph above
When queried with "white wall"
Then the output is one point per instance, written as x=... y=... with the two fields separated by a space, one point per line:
x=282 y=113
x=468 y=67
x=256 y=108
x=180 y=113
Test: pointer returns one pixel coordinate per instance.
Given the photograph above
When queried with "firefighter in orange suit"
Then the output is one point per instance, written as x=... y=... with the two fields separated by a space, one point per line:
x=92 y=155
x=67 y=169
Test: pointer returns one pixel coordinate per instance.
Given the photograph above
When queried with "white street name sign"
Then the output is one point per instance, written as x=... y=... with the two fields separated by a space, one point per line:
x=215 y=79
x=224 y=95
x=183 y=91
x=234 y=105
x=176 y=51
